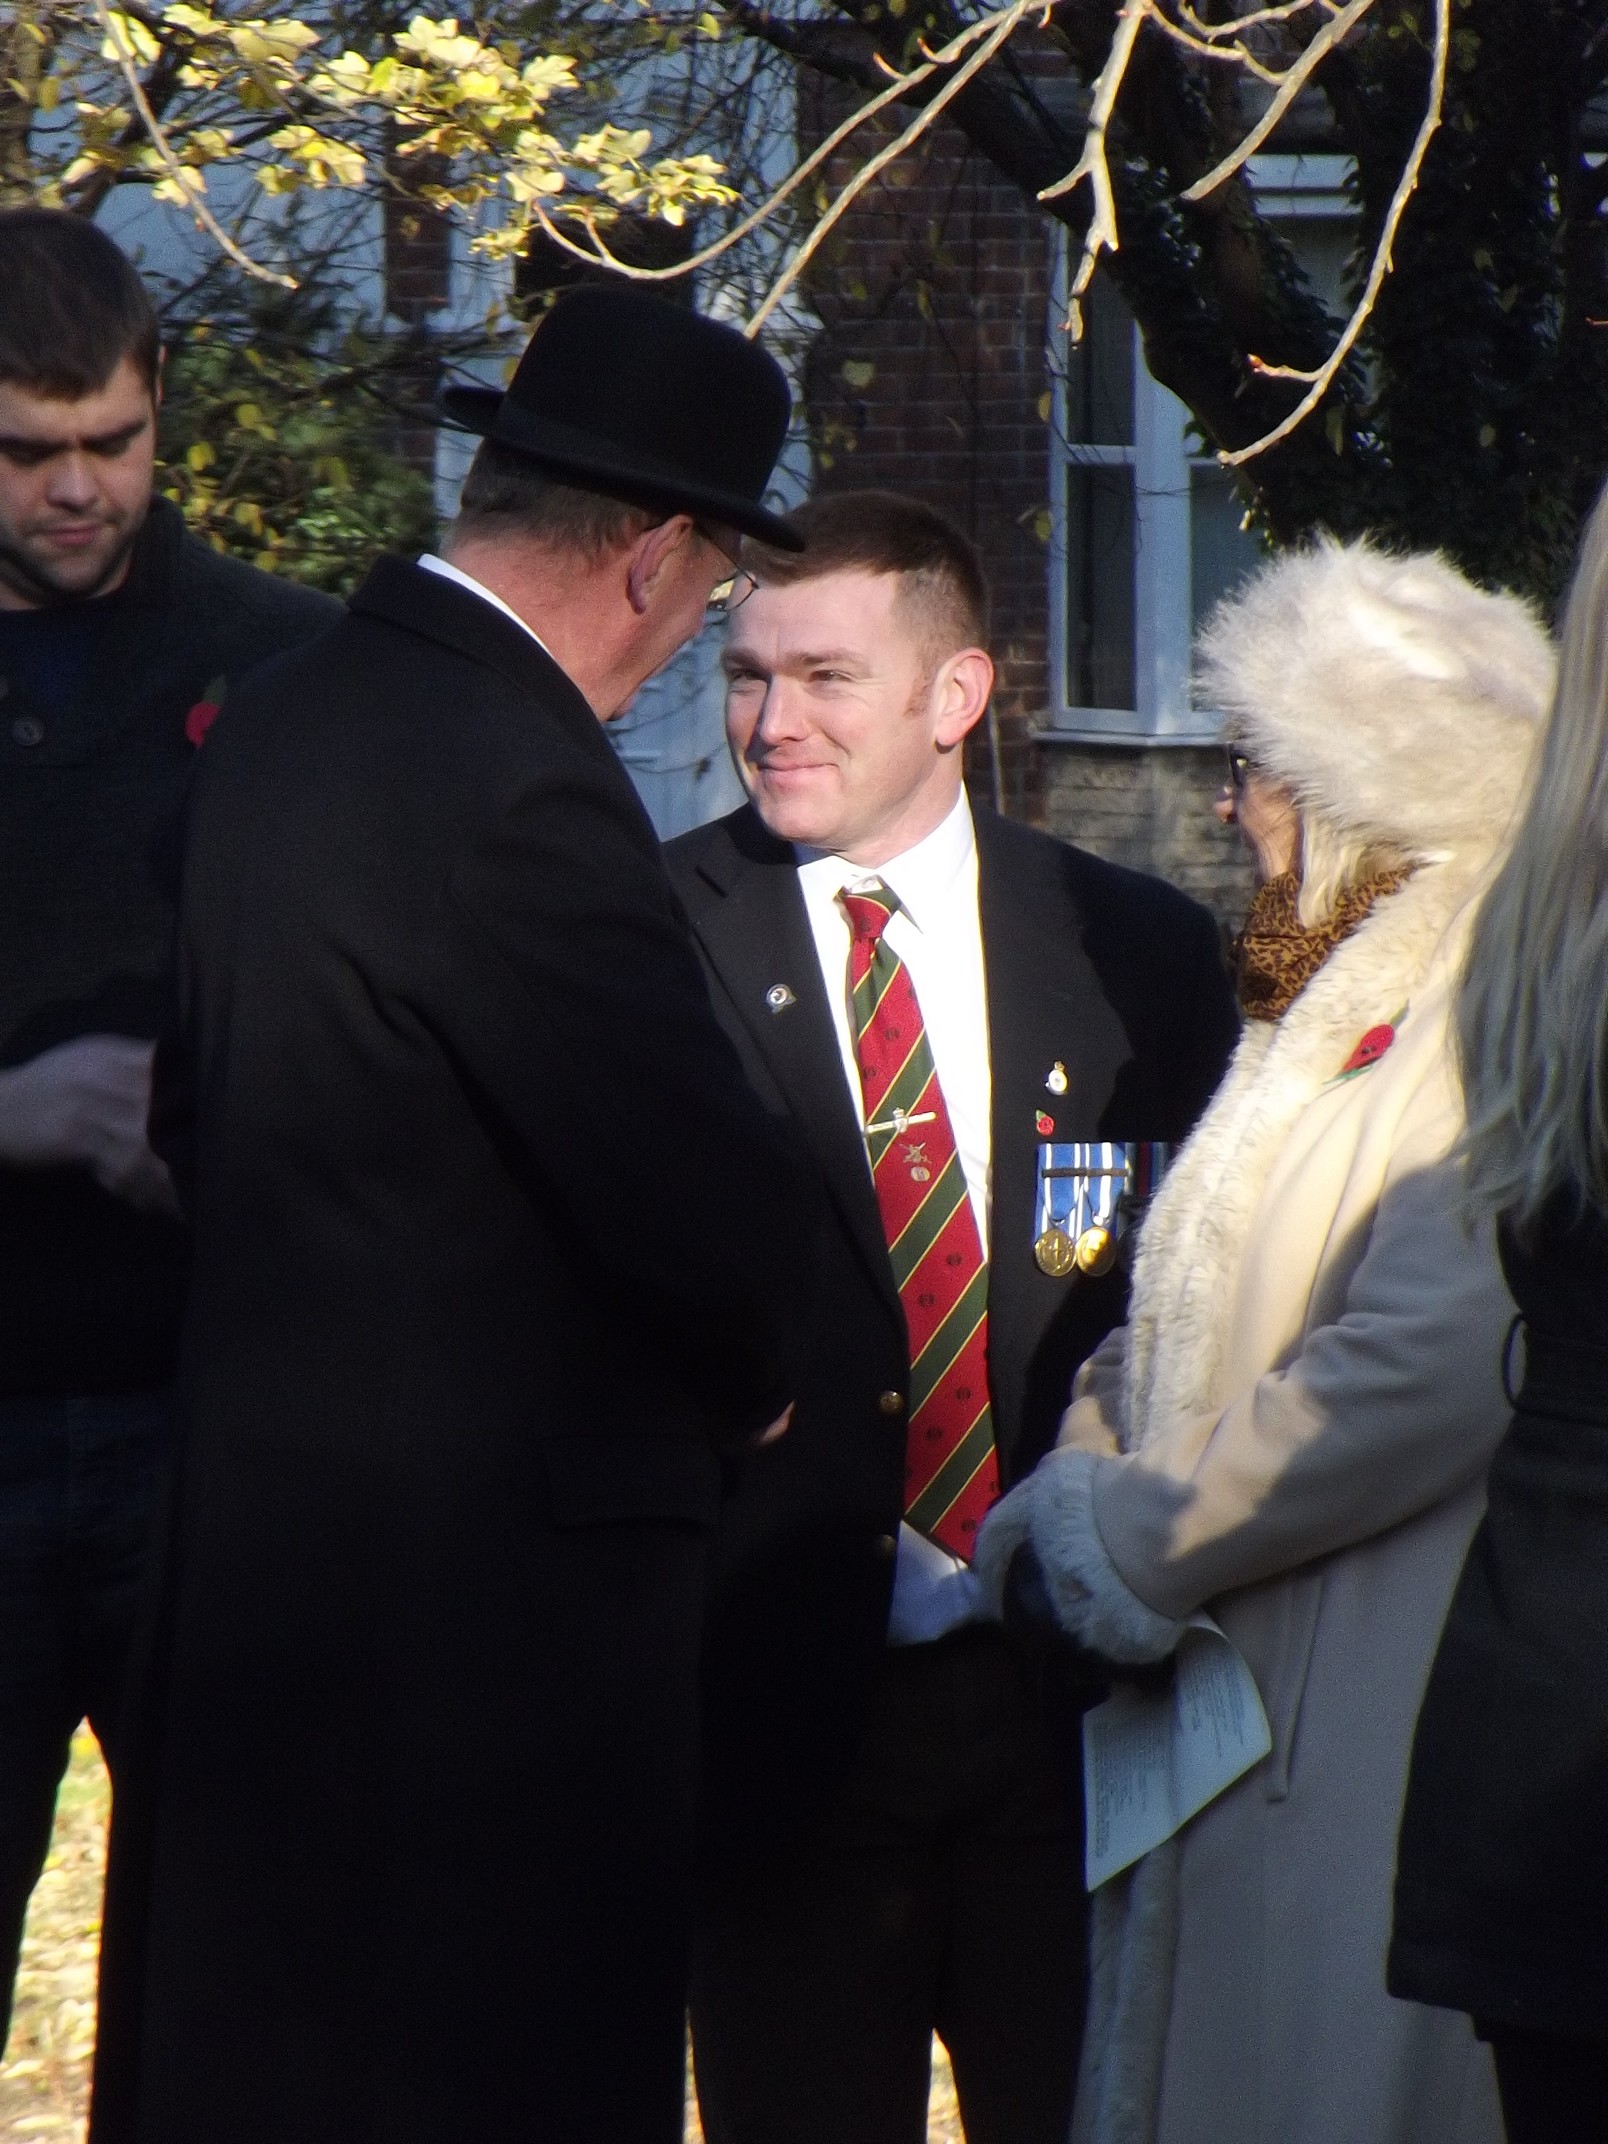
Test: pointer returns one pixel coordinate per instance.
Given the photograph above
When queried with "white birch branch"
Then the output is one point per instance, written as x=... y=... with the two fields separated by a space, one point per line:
x=1322 y=377
x=1007 y=21
x=1092 y=165
x=1294 y=80
x=184 y=181
x=898 y=87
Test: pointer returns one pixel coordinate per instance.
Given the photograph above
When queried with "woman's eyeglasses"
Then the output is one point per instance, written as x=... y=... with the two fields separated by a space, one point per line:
x=1239 y=769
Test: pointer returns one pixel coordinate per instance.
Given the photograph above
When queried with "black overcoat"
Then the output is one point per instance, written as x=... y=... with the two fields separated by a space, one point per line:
x=1109 y=973
x=1502 y=1872
x=493 y=1247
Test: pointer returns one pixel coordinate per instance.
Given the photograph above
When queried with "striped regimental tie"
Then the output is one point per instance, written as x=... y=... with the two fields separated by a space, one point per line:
x=951 y=1473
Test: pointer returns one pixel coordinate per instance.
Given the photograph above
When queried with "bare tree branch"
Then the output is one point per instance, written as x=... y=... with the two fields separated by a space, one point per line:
x=1322 y=377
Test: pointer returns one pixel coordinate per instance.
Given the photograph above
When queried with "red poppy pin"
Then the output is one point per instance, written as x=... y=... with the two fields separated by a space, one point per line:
x=205 y=711
x=1045 y=1125
x=1371 y=1048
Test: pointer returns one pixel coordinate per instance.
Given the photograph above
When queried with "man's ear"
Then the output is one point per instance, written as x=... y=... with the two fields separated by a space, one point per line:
x=961 y=693
x=161 y=373
x=652 y=555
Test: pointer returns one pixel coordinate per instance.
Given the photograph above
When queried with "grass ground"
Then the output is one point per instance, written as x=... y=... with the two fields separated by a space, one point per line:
x=44 y=2079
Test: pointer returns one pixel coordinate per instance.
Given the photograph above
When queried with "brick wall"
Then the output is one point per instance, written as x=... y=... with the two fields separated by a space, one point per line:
x=1150 y=807
x=418 y=283
x=928 y=378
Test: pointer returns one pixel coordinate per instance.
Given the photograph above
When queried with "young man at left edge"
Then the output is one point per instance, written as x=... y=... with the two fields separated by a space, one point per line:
x=117 y=629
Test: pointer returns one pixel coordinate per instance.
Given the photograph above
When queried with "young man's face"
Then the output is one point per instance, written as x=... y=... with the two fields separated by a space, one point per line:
x=75 y=486
x=843 y=726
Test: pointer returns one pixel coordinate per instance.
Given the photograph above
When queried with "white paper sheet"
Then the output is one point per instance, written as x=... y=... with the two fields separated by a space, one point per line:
x=1154 y=1759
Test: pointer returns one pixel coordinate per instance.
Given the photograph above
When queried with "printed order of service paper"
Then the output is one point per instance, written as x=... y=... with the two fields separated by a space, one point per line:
x=1152 y=1759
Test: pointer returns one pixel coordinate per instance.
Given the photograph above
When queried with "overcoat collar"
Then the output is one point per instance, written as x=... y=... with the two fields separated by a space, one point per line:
x=428 y=604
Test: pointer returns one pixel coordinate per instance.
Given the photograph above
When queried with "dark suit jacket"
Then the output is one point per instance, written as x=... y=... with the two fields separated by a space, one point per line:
x=1113 y=974
x=493 y=1246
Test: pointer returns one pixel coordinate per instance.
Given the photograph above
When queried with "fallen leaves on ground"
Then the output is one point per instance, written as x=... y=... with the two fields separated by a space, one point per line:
x=44 y=2079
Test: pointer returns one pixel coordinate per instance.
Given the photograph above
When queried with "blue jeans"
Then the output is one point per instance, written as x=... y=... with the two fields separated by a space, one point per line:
x=78 y=1486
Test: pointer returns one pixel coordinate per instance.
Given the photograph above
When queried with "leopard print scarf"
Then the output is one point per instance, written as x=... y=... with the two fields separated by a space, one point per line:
x=1277 y=955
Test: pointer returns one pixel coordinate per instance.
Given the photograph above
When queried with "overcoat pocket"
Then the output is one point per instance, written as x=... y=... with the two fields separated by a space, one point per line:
x=622 y=1481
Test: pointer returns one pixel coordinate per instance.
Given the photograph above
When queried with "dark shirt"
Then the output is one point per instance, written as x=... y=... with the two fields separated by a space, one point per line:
x=93 y=764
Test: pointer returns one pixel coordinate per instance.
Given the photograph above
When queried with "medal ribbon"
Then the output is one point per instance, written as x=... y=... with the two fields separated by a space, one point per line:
x=951 y=1471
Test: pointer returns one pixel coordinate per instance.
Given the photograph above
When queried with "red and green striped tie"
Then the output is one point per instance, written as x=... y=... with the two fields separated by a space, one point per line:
x=951 y=1473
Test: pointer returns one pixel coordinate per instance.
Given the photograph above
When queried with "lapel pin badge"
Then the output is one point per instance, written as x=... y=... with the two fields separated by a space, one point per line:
x=778 y=997
x=1055 y=1079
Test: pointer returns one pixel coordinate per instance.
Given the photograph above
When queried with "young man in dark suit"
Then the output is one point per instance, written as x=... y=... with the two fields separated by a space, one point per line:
x=494 y=1259
x=116 y=626
x=949 y=1007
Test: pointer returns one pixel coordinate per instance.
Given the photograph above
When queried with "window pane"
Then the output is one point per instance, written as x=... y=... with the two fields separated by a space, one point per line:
x=1221 y=553
x=1099 y=378
x=1099 y=587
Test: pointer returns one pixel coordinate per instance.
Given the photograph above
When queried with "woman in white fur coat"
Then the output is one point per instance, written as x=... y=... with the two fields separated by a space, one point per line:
x=1293 y=1429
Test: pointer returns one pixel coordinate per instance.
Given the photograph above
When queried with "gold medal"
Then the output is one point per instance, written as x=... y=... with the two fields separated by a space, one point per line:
x=1096 y=1250
x=1055 y=1253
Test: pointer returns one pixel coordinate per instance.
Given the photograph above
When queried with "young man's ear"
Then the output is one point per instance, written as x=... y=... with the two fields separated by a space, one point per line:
x=161 y=372
x=964 y=685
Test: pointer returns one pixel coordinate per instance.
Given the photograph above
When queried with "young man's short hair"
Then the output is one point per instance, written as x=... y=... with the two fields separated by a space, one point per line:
x=72 y=306
x=885 y=532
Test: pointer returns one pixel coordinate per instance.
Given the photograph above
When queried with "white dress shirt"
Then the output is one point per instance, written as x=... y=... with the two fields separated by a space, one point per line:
x=937 y=935
x=449 y=572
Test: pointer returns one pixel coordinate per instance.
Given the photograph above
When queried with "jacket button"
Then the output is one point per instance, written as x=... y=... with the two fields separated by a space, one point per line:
x=27 y=729
x=886 y=1547
x=891 y=1403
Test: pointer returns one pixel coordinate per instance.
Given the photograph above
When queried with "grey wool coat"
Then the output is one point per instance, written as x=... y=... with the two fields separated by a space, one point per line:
x=1294 y=1427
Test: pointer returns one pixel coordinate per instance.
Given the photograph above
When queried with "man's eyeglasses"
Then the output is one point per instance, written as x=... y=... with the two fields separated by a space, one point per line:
x=731 y=594
x=1239 y=769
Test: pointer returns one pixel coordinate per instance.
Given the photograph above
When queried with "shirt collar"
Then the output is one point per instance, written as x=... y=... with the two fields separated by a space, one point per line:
x=924 y=877
x=449 y=572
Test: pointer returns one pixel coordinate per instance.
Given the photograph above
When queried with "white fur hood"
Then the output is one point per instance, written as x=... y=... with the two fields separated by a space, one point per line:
x=1391 y=694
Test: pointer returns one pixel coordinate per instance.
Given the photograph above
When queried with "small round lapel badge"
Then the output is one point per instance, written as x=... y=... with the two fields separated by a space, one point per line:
x=1055 y=1252
x=1055 y=1079
x=778 y=997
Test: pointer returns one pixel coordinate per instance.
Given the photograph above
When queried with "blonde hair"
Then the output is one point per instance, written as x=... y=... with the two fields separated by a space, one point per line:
x=1532 y=1018
x=1333 y=859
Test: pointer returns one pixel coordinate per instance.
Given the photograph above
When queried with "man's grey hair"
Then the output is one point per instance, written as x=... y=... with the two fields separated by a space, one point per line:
x=507 y=493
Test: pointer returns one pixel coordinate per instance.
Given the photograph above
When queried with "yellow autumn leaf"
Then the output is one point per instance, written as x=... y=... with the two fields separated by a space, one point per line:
x=128 y=40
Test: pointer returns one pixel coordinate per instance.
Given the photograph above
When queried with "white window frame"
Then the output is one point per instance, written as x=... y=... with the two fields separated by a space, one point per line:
x=1292 y=189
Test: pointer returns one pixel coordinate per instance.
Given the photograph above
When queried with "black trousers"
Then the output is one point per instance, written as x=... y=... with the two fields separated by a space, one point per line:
x=78 y=1488
x=945 y=1895
x=1554 y=2091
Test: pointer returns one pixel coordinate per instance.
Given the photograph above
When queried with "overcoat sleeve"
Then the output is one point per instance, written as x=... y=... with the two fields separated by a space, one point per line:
x=567 y=988
x=1383 y=1412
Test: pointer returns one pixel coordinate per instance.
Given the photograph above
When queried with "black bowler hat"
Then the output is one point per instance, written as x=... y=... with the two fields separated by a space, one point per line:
x=645 y=402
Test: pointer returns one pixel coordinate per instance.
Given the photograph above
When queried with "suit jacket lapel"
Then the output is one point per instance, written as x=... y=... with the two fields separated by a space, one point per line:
x=757 y=937
x=1045 y=1007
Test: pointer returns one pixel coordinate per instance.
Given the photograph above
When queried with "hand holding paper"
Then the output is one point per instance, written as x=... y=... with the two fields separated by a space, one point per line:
x=1152 y=1759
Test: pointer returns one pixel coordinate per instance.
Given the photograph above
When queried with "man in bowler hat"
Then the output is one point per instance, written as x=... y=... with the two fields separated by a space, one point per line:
x=494 y=1260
